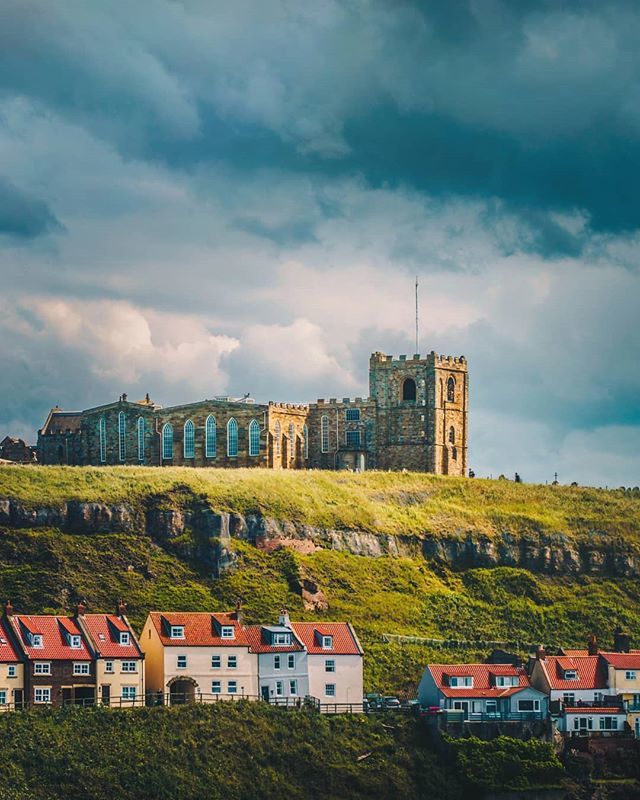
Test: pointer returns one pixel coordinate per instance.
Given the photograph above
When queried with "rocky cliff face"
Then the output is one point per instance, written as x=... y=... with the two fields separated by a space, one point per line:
x=595 y=554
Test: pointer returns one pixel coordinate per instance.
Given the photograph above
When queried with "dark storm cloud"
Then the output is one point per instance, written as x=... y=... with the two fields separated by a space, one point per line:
x=23 y=216
x=249 y=188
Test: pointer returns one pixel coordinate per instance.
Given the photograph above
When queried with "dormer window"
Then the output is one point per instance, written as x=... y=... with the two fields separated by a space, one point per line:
x=125 y=638
x=506 y=680
x=282 y=638
x=36 y=640
x=570 y=675
x=460 y=681
x=176 y=632
x=227 y=632
x=327 y=642
x=74 y=641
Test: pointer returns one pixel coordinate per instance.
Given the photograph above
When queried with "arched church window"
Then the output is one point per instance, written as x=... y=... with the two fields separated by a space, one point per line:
x=305 y=434
x=232 y=437
x=167 y=441
x=454 y=453
x=277 y=435
x=292 y=441
x=452 y=435
x=210 y=437
x=189 y=443
x=324 y=434
x=122 y=436
x=140 y=438
x=451 y=390
x=254 y=438
x=102 y=435
x=409 y=389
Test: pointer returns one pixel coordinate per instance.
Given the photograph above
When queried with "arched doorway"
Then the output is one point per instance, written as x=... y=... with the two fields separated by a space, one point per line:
x=181 y=691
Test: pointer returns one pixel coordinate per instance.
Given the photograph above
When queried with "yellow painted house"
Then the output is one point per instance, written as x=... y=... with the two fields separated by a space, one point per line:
x=198 y=656
x=11 y=672
x=624 y=680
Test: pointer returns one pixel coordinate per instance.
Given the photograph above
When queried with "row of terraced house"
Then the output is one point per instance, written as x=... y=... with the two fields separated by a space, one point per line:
x=573 y=693
x=179 y=657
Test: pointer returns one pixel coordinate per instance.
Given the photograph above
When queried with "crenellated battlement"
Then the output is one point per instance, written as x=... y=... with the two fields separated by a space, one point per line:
x=379 y=359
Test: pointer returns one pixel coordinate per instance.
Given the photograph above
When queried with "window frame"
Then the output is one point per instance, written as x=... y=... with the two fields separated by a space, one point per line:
x=218 y=659
x=282 y=639
x=189 y=440
x=327 y=642
x=42 y=668
x=227 y=632
x=324 y=433
x=276 y=661
x=232 y=662
x=12 y=671
x=232 y=687
x=305 y=435
x=125 y=638
x=43 y=690
x=291 y=661
x=352 y=415
x=109 y=667
x=292 y=441
x=232 y=438
x=451 y=389
x=630 y=675
x=254 y=438
x=535 y=703
x=173 y=634
x=330 y=665
x=81 y=668
x=75 y=641
x=141 y=430
x=293 y=687
x=122 y=436
x=277 y=435
x=131 y=691
x=216 y=687
x=329 y=690
x=181 y=657
x=350 y=436
x=167 y=442
x=210 y=437
x=102 y=439
x=124 y=667
x=279 y=688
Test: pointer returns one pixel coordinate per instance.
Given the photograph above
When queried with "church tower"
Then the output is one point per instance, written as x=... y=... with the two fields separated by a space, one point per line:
x=421 y=412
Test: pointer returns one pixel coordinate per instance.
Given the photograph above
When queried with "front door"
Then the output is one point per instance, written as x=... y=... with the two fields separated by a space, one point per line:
x=67 y=695
x=106 y=694
x=265 y=693
x=18 y=698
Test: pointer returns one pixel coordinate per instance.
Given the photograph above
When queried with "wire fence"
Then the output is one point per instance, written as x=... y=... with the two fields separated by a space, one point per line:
x=457 y=644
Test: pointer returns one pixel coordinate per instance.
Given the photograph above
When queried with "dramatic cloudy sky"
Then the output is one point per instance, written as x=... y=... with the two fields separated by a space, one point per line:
x=201 y=198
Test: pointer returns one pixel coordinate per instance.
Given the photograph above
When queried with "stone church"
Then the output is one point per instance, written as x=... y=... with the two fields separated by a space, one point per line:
x=415 y=418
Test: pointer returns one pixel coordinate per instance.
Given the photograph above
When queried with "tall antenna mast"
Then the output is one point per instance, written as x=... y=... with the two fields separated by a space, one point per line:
x=416 y=350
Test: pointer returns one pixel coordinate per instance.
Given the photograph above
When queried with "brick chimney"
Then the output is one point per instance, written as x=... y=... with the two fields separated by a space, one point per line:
x=592 y=645
x=8 y=609
x=541 y=653
x=238 y=614
x=121 y=608
x=284 y=618
x=622 y=641
x=81 y=609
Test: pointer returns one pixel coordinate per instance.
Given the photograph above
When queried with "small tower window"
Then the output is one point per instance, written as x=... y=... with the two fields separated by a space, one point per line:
x=254 y=438
x=451 y=390
x=167 y=441
x=232 y=437
x=454 y=453
x=189 y=439
x=452 y=435
x=409 y=390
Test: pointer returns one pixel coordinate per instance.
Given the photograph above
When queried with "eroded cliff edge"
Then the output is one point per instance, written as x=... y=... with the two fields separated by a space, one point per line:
x=165 y=519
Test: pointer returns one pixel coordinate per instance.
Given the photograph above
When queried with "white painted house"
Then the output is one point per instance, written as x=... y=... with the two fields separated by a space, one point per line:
x=282 y=661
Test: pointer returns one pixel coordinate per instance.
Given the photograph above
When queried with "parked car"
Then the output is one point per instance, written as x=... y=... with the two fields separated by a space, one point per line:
x=389 y=703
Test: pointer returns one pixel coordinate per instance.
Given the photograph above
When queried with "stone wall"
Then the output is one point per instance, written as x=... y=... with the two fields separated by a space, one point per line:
x=342 y=454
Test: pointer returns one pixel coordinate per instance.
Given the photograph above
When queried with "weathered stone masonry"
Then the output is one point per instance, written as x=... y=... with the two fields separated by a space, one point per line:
x=414 y=419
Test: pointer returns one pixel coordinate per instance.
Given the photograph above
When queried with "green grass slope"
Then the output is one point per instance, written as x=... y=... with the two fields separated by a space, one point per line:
x=376 y=501
x=249 y=750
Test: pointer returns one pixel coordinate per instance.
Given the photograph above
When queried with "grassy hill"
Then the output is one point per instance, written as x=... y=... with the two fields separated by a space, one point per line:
x=47 y=570
x=392 y=503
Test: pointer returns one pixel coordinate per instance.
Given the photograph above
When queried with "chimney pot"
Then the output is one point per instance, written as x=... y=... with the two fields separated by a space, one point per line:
x=592 y=645
x=238 y=613
x=8 y=609
x=81 y=609
x=541 y=653
x=121 y=608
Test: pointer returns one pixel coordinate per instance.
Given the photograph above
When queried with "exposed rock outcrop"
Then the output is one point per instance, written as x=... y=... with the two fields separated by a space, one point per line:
x=206 y=533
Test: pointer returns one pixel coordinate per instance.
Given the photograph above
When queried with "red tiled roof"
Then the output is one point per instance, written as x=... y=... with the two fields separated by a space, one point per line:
x=623 y=660
x=56 y=646
x=199 y=630
x=483 y=679
x=7 y=650
x=591 y=671
x=592 y=710
x=108 y=626
x=258 y=645
x=344 y=640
